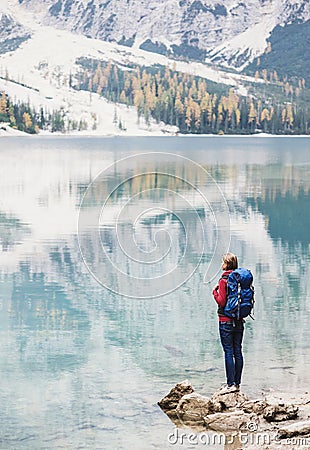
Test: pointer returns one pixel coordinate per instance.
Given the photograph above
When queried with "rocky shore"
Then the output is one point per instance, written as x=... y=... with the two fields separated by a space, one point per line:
x=237 y=422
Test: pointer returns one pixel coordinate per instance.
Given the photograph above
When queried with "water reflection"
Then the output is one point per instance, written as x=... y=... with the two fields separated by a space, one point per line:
x=81 y=360
x=289 y=208
x=53 y=333
x=12 y=231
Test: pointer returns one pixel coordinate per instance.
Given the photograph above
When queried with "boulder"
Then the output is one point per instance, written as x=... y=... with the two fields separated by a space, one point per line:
x=294 y=429
x=233 y=412
x=272 y=410
x=229 y=400
x=193 y=407
x=279 y=412
x=171 y=400
x=227 y=421
x=255 y=406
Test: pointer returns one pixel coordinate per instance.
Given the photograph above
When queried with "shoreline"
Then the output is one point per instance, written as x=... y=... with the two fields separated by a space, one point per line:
x=275 y=417
x=21 y=134
x=7 y=131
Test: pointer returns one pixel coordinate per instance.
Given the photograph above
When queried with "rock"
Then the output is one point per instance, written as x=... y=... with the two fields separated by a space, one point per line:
x=272 y=410
x=306 y=399
x=279 y=412
x=232 y=412
x=227 y=421
x=229 y=400
x=169 y=129
x=171 y=400
x=295 y=429
x=255 y=406
x=193 y=407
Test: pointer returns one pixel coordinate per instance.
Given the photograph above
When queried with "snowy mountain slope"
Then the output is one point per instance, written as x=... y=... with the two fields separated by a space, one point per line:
x=226 y=31
x=12 y=33
x=243 y=48
x=290 y=55
x=80 y=106
x=40 y=69
x=60 y=49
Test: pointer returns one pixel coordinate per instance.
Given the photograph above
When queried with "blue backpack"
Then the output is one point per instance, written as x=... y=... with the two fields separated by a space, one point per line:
x=240 y=294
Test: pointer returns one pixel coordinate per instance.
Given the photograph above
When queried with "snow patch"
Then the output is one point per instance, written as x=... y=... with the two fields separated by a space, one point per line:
x=44 y=63
x=251 y=42
x=6 y=130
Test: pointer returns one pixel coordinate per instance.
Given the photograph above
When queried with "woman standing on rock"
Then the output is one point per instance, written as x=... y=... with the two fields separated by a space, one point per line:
x=231 y=330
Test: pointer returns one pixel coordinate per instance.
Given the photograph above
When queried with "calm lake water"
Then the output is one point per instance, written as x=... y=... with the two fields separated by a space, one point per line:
x=82 y=365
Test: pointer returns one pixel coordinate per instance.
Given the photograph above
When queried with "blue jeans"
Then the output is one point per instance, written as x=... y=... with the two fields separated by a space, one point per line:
x=231 y=339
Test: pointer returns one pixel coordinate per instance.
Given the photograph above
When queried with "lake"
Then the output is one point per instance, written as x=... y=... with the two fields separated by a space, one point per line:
x=110 y=249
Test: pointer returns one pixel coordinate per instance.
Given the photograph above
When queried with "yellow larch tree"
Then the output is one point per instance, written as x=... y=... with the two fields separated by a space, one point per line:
x=3 y=104
x=27 y=120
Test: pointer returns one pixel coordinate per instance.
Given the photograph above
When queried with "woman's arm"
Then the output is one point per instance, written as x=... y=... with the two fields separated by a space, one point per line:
x=219 y=292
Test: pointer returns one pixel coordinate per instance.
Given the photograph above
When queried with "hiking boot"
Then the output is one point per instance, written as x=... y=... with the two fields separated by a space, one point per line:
x=237 y=386
x=228 y=389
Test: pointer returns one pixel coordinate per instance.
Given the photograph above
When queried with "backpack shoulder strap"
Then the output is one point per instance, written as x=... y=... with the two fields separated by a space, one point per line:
x=225 y=277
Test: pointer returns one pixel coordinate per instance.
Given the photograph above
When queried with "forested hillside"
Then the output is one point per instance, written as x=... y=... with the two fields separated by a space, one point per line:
x=21 y=116
x=288 y=53
x=197 y=106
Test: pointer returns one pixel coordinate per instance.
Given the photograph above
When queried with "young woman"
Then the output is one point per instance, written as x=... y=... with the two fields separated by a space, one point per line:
x=231 y=331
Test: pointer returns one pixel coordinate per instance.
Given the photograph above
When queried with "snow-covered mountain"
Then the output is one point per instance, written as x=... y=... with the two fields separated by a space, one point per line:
x=12 y=33
x=39 y=69
x=225 y=31
x=41 y=41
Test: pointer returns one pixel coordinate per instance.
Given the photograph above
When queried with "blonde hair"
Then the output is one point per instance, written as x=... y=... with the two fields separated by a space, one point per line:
x=230 y=260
